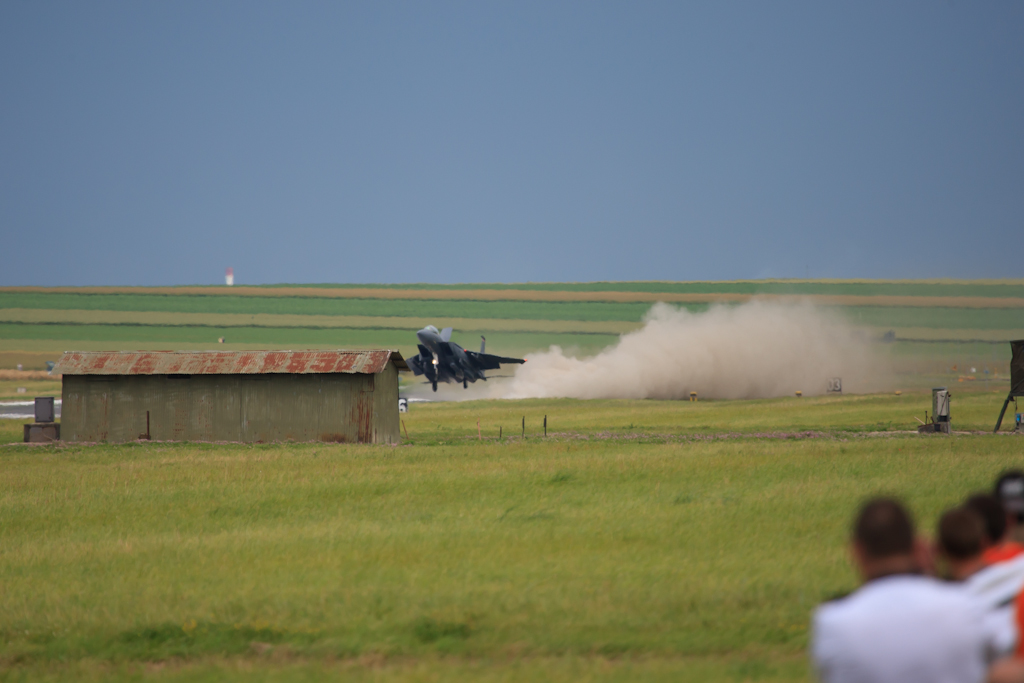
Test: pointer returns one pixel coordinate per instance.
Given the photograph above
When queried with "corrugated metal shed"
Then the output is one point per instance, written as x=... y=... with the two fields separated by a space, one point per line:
x=226 y=362
x=249 y=396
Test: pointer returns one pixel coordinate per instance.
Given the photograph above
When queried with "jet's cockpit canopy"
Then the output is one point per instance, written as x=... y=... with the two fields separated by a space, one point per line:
x=432 y=329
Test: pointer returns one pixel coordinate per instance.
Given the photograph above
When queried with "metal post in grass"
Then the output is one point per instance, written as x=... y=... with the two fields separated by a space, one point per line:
x=1016 y=378
x=524 y=426
x=545 y=425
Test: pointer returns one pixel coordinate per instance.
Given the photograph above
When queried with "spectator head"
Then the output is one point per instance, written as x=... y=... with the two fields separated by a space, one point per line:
x=883 y=529
x=961 y=536
x=1010 y=490
x=993 y=516
x=884 y=540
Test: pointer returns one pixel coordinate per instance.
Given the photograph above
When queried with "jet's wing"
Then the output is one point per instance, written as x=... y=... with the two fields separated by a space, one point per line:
x=486 y=361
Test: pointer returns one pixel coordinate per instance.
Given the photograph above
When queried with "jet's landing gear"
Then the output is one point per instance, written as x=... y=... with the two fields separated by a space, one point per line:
x=465 y=384
x=434 y=383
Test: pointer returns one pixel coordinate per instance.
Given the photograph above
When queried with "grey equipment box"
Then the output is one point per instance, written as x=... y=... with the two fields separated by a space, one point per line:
x=44 y=409
x=45 y=430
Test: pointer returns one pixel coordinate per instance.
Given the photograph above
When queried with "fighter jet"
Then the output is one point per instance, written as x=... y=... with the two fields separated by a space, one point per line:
x=442 y=360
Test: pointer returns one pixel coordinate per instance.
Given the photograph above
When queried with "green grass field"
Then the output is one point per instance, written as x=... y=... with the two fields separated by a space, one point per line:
x=640 y=540
x=9 y=390
x=874 y=316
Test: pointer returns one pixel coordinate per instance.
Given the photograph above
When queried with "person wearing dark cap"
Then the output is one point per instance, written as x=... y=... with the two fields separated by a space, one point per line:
x=1010 y=491
x=901 y=625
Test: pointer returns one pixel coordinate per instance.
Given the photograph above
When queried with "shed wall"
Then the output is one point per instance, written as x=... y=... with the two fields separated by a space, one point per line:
x=386 y=427
x=252 y=408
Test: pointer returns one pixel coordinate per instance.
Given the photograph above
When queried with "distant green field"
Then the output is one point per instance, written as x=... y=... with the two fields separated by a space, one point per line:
x=9 y=392
x=996 y=353
x=948 y=318
x=858 y=288
x=642 y=540
x=527 y=310
x=63 y=337
x=875 y=316
x=980 y=332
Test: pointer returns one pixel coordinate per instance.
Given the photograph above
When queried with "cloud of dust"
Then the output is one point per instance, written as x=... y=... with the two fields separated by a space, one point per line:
x=754 y=350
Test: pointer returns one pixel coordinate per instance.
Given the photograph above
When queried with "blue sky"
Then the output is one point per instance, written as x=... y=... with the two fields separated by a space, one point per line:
x=146 y=143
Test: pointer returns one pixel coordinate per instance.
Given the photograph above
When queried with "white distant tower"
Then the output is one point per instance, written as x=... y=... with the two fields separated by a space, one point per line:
x=229 y=277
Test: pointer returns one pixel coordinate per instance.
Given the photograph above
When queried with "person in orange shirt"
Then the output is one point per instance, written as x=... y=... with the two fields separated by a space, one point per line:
x=1000 y=546
x=1011 y=669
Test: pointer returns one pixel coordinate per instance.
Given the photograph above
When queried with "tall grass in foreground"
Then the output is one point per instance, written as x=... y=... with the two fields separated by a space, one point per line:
x=461 y=560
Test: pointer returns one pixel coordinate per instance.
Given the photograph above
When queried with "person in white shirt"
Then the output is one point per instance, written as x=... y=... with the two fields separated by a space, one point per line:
x=900 y=626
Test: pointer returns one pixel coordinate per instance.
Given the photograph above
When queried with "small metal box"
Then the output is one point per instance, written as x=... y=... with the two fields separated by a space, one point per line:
x=44 y=409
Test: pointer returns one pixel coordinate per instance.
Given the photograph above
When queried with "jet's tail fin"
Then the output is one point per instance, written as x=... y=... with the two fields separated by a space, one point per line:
x=446 y=334
x=483 y=343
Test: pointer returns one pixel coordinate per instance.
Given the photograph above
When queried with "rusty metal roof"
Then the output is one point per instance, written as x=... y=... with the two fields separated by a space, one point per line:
x=225 y=362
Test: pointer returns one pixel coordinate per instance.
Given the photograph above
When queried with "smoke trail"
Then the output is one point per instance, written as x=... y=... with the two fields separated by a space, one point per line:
x=755 y=350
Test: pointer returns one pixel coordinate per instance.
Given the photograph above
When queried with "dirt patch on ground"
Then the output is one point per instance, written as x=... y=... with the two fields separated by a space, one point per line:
x=27 y=374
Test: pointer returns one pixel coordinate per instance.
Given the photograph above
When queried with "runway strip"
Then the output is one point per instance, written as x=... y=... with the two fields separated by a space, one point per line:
x=21 y=410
